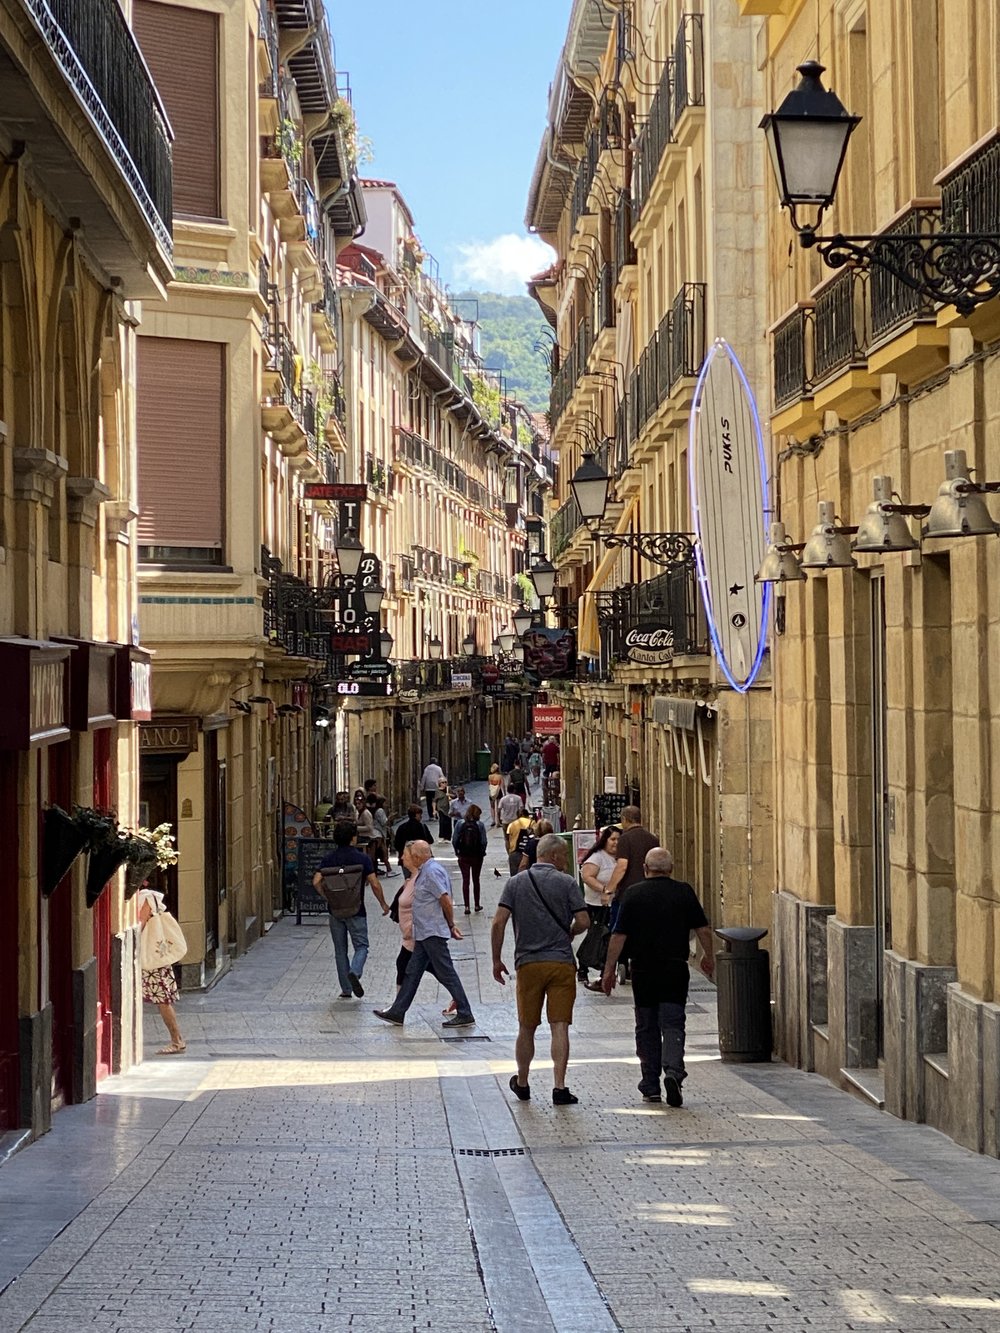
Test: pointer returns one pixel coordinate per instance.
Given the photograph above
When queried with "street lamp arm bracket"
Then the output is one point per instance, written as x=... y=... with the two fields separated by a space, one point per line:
x=659 y=548
x=956 y=268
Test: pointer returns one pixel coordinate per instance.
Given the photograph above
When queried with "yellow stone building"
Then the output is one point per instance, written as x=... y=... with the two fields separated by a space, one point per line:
x=649 y=185
x=452 y=470
x=85 y=188
x=240 y=409
x=886 y=676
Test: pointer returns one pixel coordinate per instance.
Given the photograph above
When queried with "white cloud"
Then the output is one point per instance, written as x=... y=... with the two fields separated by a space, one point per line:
x=503 y=264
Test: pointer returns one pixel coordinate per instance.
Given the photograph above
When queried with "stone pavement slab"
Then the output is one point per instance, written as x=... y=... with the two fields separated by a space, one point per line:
x=305 y=1168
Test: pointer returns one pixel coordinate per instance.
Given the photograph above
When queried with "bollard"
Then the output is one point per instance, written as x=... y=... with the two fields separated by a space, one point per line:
x=743 y=981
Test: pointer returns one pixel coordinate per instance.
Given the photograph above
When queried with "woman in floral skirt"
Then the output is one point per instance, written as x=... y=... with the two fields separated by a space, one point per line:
x=159 y=985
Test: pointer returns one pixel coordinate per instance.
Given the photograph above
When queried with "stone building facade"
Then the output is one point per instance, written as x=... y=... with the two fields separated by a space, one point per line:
x=240 y=408
x=85 y=188
x=886 y=677
x=650 y=188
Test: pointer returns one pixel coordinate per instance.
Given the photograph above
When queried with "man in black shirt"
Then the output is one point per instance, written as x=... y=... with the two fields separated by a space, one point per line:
x=654 y=926
x=345 y=853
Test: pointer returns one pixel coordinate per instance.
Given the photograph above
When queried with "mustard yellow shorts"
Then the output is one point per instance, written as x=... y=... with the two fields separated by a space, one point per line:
x=555 y=983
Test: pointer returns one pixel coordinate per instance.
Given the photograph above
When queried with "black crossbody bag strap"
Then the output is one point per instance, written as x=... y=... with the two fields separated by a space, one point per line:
x=542 y=899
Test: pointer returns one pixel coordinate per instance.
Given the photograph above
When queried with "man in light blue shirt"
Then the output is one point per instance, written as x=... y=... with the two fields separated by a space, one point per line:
x=433 y=926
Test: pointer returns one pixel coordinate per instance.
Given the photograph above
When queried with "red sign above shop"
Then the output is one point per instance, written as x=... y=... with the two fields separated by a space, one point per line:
x=547 y=721
x=34 y=703
x=335 y=490
x=351 y=642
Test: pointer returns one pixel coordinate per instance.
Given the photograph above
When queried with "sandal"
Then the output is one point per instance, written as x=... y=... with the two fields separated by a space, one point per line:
x=173 y=1049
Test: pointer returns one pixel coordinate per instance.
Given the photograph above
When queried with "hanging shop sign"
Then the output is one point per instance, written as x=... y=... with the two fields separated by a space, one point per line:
x=651 y=644
x=727 y=478
x=547 y=720
x=461 y=680
x=368 y=688
x=550 y=654
x=92 y=684
x=169 y=735
x=336 y=490
x=34 y=702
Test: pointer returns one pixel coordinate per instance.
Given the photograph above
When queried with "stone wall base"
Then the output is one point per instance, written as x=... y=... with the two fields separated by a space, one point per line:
x=36 y=1071
x=799 y=935
x=126 y=1001
x=852 y=1005
x=916 y=1025
x=83 y=1075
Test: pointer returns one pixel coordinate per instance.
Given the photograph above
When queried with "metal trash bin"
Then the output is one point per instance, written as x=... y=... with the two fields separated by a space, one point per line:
x=743 y=981
x=484 y=762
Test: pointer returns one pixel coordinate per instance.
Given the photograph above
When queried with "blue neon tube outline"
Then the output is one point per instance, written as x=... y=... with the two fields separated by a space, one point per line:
x=740 y=687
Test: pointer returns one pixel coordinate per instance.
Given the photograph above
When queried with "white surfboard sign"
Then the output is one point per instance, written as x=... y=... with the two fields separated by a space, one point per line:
x=728 y=484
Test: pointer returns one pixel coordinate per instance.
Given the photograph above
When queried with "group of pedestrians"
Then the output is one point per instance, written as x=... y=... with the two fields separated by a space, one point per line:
x=630 y=909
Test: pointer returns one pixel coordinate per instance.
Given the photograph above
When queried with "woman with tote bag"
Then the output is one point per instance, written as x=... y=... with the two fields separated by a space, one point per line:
x=161 y=945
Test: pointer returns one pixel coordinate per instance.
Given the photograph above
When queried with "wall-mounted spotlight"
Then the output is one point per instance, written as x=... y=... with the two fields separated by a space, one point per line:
x=828 y=547
x=960 y=510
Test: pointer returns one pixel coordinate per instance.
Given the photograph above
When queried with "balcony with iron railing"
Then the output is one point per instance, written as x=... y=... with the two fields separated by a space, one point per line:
x=652 y=140
x=583 y=181
x=377 y=476
x=689 y=69
x=670 y=600
x=624 y=255
x=565 y=522
x=95 y=53
x=896 y=307
x=420 y=453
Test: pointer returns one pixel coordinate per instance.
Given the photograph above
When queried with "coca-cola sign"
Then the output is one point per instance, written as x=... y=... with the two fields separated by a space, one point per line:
x=651 y=644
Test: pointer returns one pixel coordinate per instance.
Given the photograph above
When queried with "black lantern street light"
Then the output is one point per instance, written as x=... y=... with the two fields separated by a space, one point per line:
x=495 y=647
x=543 y=576
x=807 y=138
x=435 y=648
x=590 y=485
x=385 y=642
x=505 y=640
x=349 y=552
x=517 y=652
x=373 y=599
x=522 y=622
x=469 y=645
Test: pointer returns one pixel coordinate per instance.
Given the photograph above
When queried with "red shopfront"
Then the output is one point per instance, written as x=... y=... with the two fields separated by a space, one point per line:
x=35 y=986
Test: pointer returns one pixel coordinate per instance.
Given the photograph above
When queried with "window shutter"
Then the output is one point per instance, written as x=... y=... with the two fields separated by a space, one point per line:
x=181 y=438
x=181 y=47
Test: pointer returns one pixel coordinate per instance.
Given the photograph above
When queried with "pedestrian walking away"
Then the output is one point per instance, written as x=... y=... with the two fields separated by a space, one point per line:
x=522 y=825
x=550 y=757
x=444 y=799
x=517 y=781
x=653 y=928
x=430 y=780
x=547 y=908
x=345 y=853
x=433 y=926
x=496 y=787
x=412 y=829
x=528 y=840
x=470 y=841
x=510 y=807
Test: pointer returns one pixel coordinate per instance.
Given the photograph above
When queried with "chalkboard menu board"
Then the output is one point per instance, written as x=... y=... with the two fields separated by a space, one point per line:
x=307 y=899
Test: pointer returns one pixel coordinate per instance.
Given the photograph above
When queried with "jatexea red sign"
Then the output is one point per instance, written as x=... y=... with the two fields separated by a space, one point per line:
x=547 y=721
x=335 y=490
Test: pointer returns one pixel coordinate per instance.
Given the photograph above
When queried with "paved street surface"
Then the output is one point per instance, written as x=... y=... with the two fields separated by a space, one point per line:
x=306 y=1169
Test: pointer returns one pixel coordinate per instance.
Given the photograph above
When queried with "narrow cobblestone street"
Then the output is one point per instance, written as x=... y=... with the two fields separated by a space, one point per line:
x=305 y=1169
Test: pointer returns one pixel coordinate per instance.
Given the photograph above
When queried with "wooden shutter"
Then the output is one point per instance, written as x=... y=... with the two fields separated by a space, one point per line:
x=181 y=439
x=181 y=47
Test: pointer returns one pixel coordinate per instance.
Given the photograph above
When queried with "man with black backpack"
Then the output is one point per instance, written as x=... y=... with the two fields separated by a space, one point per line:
x=341 y=878
x=548 y=910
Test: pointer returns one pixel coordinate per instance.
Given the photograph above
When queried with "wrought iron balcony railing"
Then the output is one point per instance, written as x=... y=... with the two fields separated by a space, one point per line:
x=376 y=475
x=689 y=67
x=268 y=32
x=840 y=324
x=97 y=53
x=624 y=249
x=792 y=377
x=670 y=600
x=584 y=179
x=653 y=139
x=894 y=304
x=565 y=522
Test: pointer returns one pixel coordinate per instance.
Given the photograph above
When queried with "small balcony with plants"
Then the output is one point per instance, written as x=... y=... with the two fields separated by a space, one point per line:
x=281 y=155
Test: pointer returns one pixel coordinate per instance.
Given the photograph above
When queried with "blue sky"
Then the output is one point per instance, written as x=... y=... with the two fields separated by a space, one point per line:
x=453 y=96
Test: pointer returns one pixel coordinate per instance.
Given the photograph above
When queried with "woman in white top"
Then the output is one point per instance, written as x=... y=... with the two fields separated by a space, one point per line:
x=596 y=871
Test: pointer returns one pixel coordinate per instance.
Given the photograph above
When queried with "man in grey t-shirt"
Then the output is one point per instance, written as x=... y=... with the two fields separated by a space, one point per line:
x=548 y=910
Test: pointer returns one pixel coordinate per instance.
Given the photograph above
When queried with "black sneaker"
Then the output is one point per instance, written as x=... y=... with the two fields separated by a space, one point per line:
x=651 y=1097
x=386 y=1017
x=522 y=1094
x=356 y=985
x=673 y=1088
x=563 y=1097
x=459 y=1021
x=346 y=995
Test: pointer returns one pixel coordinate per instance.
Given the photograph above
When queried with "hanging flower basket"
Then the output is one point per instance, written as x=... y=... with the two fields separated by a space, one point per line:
x=62 y=843
x=104 y=861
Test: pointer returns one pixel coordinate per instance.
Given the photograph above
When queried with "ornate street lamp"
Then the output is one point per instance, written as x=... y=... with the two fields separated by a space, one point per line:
x=517 y=652
x=589 y=485
x=522 y=622
x=543 y=576
x=807 y=137
x=349 y=552
x=496 y=648
x=506 y=640
x=385 y=642
x=469 y=645
x=435 y=648
x=373 y=599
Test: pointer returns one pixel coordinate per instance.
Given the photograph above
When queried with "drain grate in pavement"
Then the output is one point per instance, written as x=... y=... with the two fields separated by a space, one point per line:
x=465 y=1036
x=489 y=1152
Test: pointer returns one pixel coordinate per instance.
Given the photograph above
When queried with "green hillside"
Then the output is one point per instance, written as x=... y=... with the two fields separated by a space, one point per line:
x=510 y=326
